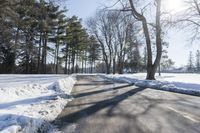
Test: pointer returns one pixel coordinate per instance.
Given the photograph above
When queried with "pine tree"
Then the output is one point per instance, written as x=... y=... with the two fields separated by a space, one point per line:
x=198 y=61
x=134 y=61
x=58 y=37
x=94 y=51
x=75 y=46
x=144 y=59
x=7 y=53
x=165 y=62
x=190 y=66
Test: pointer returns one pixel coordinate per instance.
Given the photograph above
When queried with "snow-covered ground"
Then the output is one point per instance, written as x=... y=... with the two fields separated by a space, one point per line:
x=176 y=82
x=27 y=102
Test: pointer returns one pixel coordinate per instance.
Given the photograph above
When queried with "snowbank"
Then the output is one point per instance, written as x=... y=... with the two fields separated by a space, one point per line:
x=27 y=108
x=181 y=83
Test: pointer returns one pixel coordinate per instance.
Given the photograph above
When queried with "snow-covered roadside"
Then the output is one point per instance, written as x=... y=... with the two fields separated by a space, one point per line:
x=181 y=83
x=29 y=107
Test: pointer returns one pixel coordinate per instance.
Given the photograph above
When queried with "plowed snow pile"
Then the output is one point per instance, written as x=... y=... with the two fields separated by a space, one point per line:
x=28 y=102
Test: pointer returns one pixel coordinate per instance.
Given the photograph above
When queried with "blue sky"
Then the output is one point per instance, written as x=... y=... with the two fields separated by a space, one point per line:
x=82 y=8
x=179 y=46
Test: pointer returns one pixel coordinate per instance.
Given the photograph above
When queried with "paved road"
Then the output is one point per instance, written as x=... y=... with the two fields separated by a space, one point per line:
x=101 y=106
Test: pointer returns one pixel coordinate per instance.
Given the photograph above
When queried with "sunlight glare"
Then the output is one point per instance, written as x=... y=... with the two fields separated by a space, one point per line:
x=174 y=6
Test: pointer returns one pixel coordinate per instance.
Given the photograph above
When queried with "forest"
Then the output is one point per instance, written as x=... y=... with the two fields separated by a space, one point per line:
x=38 y=37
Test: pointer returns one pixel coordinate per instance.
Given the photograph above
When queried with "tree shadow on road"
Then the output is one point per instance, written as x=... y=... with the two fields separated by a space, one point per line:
x=101 y=91
x=86 y=112
x=111 y=105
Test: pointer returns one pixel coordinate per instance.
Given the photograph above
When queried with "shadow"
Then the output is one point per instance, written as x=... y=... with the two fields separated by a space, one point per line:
x=187 y=85
x=79 y=91
x=96 y=79
x=101 y=81
x=20 y=78
x=178 y=124
x=164 y=77
x=33 y=100
x=83 y=104
x=86 y=112
x=93 y=84
x=101 y=91
x=23 y=124
x=185 y=88
x=121 y=79
x=179 y=91
x=151 y=109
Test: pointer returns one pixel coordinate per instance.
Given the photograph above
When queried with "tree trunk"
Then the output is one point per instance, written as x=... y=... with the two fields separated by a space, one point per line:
x=107 y=68
x=91 y=67
x=15 y=48
x=45 y=56
x=66 y=62
x=73 y=61
x=69 y=64
x=150 y=71
x=57 y=62
x=94 y=66
x=151 y=68
x=114 y=65
x=159 y=70
x=120 y=67
x=82 y=62
x=66 y=58
x=77 y=62
x=85 y=62
x=158 y=37
x=27 y=55
x=39 y=54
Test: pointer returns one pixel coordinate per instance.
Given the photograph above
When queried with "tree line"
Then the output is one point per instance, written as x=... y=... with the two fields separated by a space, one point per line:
x=38 y=37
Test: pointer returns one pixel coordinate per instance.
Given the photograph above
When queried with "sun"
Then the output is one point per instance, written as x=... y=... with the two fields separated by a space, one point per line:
x=173 y=6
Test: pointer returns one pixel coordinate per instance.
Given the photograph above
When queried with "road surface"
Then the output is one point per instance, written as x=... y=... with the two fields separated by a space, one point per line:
x=101 y=106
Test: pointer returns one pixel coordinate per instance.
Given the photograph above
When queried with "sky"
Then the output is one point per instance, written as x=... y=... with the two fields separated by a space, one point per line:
x=179 y=44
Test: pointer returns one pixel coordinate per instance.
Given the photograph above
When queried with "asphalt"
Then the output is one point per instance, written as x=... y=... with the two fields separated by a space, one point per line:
x=101 y=106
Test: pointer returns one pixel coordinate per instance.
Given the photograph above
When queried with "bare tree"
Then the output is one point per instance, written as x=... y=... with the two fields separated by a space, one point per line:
x=121 y=34
x=101 y=27
x=190 y=19
x=151 y=65
x=114 y=31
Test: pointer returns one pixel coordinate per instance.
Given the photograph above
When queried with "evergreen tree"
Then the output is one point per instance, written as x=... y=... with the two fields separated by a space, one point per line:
x=28 y=24
x=94 y=51
x=165 y=62
x=144 y=63
x=198 y=61
x=134 y=60
x=75 y=45
x=190 y=66
x=59 y=37
x=7 y=53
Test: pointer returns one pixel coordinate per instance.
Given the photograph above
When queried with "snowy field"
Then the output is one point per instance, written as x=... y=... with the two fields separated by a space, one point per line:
x=176 y=82
x=29 y=101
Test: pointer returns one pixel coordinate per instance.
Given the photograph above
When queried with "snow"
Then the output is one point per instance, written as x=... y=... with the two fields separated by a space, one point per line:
x=28 y=102
x=18 y=80
x=175 y=82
